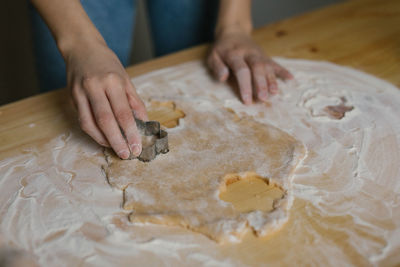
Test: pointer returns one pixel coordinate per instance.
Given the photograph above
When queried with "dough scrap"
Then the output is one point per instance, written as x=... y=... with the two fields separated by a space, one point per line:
x=181 y=188
x=322 y=104
x=338 y=111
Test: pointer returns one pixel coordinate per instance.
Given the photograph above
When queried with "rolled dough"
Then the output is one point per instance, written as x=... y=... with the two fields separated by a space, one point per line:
x=182 y=188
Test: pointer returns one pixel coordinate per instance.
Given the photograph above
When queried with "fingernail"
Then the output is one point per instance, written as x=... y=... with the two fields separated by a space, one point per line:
x=136 y=149
x=274 y=90
x=247 y=99
x=123 y=154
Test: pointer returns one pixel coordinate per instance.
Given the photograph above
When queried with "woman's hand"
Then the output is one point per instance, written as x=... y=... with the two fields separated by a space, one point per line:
x=101 y=89
x=236 y=54
x=105 y=97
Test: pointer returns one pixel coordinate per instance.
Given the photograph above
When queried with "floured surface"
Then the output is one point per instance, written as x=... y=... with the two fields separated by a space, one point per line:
x=57 y=207
x=181 y=188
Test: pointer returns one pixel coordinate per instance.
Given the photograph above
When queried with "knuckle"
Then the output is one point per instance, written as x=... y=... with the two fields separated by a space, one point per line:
x=257 y=65
x=251 y=57
x=232 y=54
x=117 y=142
x=124 y=116
x=104 y=120
x=136 y=102
x=242 y=70
x=238 y=51
x=112 y=78
x=89 y=82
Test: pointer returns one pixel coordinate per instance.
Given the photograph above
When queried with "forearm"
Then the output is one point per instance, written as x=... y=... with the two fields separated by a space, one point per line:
x=69 y=24
x=234 y=16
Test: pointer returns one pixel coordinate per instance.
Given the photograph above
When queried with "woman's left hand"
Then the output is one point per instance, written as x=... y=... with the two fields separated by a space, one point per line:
x=238 y=55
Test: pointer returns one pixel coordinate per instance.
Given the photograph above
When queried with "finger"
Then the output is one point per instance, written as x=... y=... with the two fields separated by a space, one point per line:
x=123 y=114
x=271 y=79
x=135 y=102
x=218 y=67
x=243 y=77
x=106 y=121
x=259 y=79
x=281 y=72
x=86 y=118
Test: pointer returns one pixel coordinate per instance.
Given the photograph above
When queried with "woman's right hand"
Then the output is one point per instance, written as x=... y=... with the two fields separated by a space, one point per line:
x=105 y=98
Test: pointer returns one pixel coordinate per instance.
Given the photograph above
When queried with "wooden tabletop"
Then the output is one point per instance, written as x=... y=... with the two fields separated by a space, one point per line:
x=364 y=34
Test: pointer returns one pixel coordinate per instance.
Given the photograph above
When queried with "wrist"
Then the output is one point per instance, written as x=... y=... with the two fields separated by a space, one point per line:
x=233 y=29
x=234 y=17
x=79 y=41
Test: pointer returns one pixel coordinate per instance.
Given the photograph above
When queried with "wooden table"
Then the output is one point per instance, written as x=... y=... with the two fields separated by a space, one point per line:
x=363 y=34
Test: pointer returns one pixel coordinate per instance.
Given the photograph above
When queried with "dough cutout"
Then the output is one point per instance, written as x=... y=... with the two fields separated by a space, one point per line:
x=250 y=192
x=166 y=113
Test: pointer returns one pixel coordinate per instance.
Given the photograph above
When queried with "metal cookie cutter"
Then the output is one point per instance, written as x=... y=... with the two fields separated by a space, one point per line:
x=154 y=140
